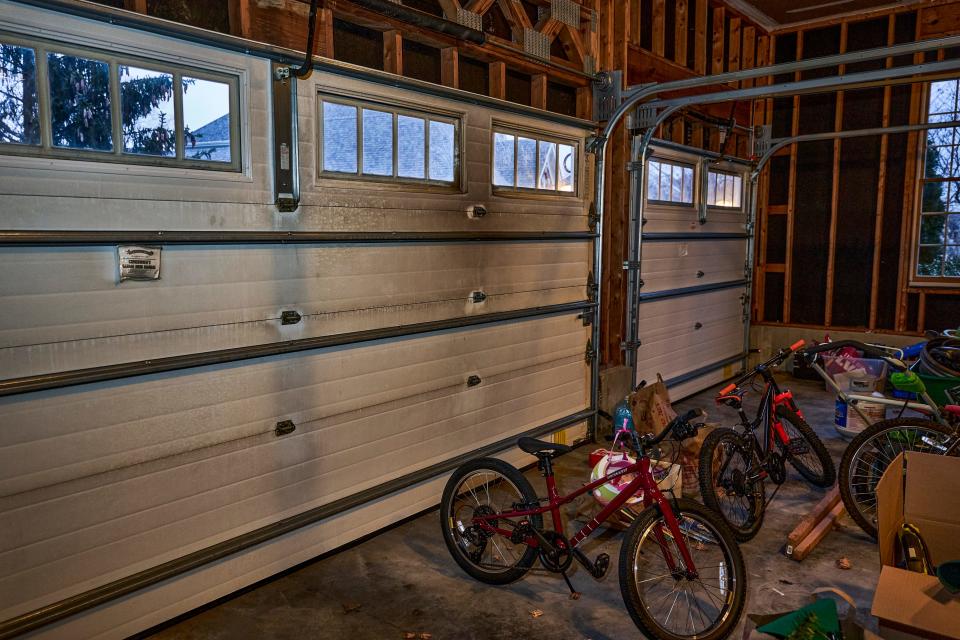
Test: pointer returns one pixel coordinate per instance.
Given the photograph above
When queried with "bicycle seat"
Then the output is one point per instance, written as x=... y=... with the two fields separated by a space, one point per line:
x=541 y=447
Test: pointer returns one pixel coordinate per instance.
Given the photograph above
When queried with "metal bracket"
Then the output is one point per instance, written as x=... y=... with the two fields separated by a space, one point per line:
x=591 y=287
x=607 y=94
x=634 y=165
x=478 y=296
x=631 y=265
x=762 y=135
x=630 y=345
x=645 y=118
x=473 y=381
x=587 y=317
x=593 y=218
x=286 y=170
x=590 y=353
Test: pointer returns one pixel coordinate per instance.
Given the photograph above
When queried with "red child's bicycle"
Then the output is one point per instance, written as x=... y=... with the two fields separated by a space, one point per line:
x=681 y=572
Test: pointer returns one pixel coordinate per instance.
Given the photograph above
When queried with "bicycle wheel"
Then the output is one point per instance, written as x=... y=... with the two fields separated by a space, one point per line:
x=668 y=604
x=486 y=486
x=805 y=450
x=725 y=469
x=872 y=450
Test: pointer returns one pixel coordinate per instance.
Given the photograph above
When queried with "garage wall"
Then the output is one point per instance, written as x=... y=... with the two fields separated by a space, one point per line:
x=103 y=480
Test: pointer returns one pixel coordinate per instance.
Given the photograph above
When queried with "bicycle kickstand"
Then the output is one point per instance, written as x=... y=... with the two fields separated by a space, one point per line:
x=574 y=594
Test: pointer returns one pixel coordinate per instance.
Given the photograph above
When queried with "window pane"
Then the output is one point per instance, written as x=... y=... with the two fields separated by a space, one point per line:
x=567 y=168
x=737 y=190
x=711 y=189
x=80 y=102
x=19 y=109
x=339 y=137
x=951 y=263
x=653 y=180
x=943 y=97
x=688 y=185
x=377 y=142
x=503 y=159
x=665 y=181
x=526 y=163
x=953 y=229
x=930 y=262
x=206 y=120
x=441 y=151
x=410 y=147
x=931 y=229
x=935 y=196
x=146 y=103
x=547 y=166
x=676 y=183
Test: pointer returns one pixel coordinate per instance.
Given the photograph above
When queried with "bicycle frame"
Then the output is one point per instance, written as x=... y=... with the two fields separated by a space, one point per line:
x=643 y=482
x=771 y=398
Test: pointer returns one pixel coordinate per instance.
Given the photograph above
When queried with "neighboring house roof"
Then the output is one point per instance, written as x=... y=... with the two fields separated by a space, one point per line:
x=214 y=130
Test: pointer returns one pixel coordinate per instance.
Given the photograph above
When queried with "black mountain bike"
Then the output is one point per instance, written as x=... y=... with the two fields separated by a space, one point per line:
x=735 y=463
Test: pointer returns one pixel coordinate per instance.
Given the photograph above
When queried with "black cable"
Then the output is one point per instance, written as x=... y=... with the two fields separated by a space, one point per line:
x=306 y=68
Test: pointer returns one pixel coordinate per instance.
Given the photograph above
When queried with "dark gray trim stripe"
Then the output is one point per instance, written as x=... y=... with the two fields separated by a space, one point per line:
x=150 y=24
x=124 y=586
x=692 y=237
x=689 y=291
x=702 y=371
x=93 y=237
x=60 y=379
x=703 y=153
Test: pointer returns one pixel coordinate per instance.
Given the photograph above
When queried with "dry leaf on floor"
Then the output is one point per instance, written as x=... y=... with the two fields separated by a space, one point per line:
x=844 y=563
x=536 y=613
x=409 y=635
x=350 y=607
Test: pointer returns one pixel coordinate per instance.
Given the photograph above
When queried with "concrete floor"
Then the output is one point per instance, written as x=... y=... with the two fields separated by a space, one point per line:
x=403 y=581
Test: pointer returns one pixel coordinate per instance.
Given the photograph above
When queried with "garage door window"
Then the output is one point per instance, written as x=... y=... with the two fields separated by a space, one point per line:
x=92 y=105
x=724 y=190
x=669 y=182
x=523 y=162
x=377 y=142
x=938 y=253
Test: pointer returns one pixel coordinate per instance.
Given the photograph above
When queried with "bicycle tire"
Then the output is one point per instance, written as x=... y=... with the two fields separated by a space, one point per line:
x=447 y=518
x=633 y=600
x=852 y=454
x=742 y=531
x=828 y=473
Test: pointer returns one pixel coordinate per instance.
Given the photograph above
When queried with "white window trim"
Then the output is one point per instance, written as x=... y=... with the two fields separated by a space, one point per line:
x=51 y=155
x=518 y=131
x=396 y=108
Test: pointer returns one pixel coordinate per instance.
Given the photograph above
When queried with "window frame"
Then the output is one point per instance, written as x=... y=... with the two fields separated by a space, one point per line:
x=396 y=109
x=521 y=132
x=117 y=155
x=727 y=172
x=697 y=182
x=915 y=278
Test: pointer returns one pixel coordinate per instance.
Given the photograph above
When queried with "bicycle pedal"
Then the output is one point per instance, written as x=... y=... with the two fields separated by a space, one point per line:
x=600 y=566
x=575 y=595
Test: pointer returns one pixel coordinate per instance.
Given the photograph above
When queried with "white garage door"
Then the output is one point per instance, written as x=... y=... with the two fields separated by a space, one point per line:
x=691 y=318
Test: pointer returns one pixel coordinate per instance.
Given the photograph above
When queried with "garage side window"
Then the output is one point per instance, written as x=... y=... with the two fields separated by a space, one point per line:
x=381 y=143
x=938 y=253
x=93 y=105
x=669 y=182
x=527 y=163
x=724 y=190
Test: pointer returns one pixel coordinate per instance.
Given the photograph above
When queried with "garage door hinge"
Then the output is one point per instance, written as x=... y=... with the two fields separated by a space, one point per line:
x=590 y=353
x=635 y=165
x=631 y=265
x=591 y=288
x=592 y=218
x=630 y=345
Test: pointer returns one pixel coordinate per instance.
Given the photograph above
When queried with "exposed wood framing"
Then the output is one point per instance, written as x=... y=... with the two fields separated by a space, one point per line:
x=538 y=91
x=450 y=67
x=393 y=52
x=733 y=53
x=791 y=191
x=835 y=191
x=680 y=33
x=140 y=6
x=700 y=33
x=719 y=26
x=238 y=11
x=498 y=80
x=659 y=35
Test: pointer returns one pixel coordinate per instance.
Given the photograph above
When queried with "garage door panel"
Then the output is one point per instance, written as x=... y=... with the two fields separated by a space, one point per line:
x=677 y=264
x=671 y=342
x=662 y=219
x=532 y=372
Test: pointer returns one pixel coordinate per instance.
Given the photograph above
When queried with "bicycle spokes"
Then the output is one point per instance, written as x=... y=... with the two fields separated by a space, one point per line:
x=736 y=488
x=476 y=500
x=685 y=601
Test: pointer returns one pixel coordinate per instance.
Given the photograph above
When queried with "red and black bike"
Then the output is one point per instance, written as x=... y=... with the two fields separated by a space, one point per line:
x=681 y=572
x=734 y=464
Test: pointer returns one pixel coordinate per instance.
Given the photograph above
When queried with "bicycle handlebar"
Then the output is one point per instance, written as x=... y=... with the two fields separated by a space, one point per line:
x=777 y=359
x=674 y=424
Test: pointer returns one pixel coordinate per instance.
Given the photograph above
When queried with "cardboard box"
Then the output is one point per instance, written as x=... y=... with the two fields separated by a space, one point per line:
x=922 y=489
